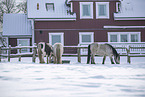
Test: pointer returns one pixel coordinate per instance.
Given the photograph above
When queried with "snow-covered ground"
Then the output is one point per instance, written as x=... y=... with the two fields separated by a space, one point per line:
x=27 y=79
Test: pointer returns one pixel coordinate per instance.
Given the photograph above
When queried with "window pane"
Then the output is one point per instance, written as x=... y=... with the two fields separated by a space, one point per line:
x=102 y=10
x=49 y=6
x=56 y=39
x=24 y=43
x=86 y=38
x=86 y=10
x=134 y=38
x=113 y=38
x=124 y=38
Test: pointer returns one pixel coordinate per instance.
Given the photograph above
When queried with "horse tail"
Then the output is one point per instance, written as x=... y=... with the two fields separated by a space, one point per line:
x=39 y=53
x=58 y=54
x=89 y=52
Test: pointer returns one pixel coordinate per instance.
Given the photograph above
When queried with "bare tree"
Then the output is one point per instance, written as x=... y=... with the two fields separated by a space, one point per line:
x=7 y=6
x=22 y=6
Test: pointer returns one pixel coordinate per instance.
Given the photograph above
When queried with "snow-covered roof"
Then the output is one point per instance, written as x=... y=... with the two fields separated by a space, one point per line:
x=131 y=10
x=16 y=24
x=60 y=10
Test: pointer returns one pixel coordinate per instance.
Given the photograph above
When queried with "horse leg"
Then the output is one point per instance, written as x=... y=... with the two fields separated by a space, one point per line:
x=50 y=58
x=43 y=58
x=111 y=59
x=54 y=59
x=60 y=61
x=47 y=58
x=92 y=59
x=104 y=58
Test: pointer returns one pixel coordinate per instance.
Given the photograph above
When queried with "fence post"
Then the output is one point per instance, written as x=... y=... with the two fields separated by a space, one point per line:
x=128 y=57
x=79 y=55
x=19 y=46
x=34 y=53
x=0 y=53
x=9 y=53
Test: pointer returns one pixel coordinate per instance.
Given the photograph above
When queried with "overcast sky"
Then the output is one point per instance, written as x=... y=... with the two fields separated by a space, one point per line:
x=19 y=0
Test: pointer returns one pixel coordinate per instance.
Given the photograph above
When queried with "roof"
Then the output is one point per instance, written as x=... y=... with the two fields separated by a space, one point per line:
x=60 y=10
x=16 y=24
x=131 y=10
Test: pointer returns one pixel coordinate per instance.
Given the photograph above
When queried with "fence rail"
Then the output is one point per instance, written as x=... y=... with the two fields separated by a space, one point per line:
x=126 y=49
x=19 y=54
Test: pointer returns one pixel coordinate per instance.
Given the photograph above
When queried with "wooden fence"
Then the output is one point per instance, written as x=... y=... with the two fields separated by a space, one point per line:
x=78 y=54
x=128 y=53
x=19 y=54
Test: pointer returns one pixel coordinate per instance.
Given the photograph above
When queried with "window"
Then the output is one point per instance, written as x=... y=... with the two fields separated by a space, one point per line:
x=124 y=37
x=113 y=38
x=134 y=38
x=49 y=6
x=86 y=10
x=37 y=6
x=24 y=42
x=102 y=10
x=86 y=37
x=56 y=38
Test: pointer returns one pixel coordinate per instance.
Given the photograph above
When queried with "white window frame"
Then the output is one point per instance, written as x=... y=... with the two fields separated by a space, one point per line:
x=107 y=10
x=118 y=6
x=124 y=33
x=71 y=7
x=50 y=4
x=18 y=43
x=86 y=33
x=60 y=33
x=91 y=10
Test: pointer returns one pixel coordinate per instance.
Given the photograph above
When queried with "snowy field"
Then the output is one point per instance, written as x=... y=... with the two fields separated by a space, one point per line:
x=27 y=79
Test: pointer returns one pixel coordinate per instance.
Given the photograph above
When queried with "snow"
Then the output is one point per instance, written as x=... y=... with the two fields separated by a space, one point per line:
x=27 y=79
x=60 y=10
x=131 y=8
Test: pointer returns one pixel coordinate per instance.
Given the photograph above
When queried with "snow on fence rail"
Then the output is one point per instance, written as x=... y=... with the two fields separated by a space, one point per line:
x=128 y=50
x=19 y=54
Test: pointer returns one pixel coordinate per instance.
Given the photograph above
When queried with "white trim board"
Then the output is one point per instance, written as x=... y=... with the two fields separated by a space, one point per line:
x=123 y=27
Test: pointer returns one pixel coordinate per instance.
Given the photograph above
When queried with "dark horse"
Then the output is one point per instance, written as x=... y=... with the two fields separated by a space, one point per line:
x=103 y=50
x=44 y=49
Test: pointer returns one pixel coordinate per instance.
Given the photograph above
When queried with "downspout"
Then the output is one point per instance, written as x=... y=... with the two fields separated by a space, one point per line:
x=33 y=33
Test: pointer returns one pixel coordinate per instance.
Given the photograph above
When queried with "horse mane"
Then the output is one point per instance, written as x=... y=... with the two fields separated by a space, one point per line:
x=114 y=50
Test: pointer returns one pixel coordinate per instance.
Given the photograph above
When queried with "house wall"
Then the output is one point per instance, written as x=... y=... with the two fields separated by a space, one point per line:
x=71 y=29
x=13 y=43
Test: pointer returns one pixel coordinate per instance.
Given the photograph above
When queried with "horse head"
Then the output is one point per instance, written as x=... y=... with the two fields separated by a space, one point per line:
x=117 y=59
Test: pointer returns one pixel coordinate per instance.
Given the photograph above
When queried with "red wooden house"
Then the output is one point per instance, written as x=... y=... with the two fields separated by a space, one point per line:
x=77 y=22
